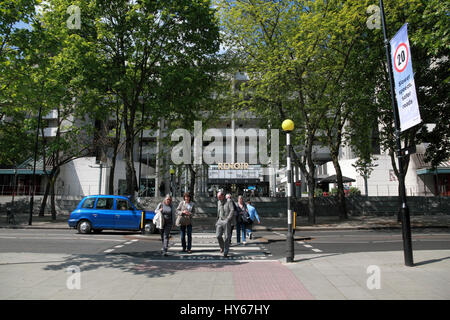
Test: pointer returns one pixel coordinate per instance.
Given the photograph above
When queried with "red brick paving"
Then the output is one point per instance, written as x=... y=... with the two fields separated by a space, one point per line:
x=264 y=280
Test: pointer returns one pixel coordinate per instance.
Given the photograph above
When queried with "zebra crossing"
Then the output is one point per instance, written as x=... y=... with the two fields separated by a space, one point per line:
x=205 y=247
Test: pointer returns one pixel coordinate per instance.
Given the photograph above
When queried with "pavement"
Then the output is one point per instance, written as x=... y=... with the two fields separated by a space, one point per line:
x=312 y=276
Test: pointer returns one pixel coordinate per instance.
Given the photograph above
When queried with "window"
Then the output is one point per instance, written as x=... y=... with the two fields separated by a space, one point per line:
x=88 y=203
x=105 y=203
x=123 y=205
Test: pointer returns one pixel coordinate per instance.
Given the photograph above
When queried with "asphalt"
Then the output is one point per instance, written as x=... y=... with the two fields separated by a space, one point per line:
x=312 y=276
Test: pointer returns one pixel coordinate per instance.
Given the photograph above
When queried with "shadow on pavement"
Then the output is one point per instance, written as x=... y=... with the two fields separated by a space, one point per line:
x=139 y=264
x=430 y=261
x=318 y=257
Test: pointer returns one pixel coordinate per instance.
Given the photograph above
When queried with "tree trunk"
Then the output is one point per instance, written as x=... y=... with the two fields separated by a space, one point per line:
x=341 y=194
x=44 y=199
x=130 y=171
x=311 y=202
x=111 y=176
x=52 y=198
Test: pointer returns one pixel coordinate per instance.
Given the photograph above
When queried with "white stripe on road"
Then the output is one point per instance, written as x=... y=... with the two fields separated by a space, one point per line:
x=216 y=247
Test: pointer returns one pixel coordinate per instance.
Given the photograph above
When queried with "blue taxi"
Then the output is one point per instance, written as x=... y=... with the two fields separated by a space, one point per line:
x=97 y=213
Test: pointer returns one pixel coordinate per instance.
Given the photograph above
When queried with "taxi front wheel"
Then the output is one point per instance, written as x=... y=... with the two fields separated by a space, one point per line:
x=84 y=227
x=149 y=228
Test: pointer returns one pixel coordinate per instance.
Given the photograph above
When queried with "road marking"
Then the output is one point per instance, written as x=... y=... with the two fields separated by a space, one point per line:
x=316 y=250
x=108 y=250
x=307 y=246
x=58 y=238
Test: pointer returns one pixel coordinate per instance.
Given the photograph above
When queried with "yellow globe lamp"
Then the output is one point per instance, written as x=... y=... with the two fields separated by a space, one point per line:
x=287 y=125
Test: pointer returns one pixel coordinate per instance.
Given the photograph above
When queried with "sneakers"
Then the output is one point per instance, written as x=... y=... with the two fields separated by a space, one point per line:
x=250 y=235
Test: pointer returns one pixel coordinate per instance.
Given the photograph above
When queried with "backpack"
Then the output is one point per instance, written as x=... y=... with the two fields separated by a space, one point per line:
x=246 y=218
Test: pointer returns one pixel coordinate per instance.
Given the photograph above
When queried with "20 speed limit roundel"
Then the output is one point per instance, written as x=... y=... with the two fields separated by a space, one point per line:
x=401 y=57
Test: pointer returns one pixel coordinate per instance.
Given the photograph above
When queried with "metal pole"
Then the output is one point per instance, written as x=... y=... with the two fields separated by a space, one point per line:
x=406 y=225
x=33 y=177
x=14 y=184
x=100 y=179
x=140 y=149
x=290 y=234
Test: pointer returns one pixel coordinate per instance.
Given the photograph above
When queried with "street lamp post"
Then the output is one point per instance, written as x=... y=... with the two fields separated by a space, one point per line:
x=172 y=172
x=288 y=127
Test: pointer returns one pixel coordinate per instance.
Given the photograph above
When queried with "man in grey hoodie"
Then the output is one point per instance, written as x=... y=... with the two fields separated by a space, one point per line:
x=225 y=213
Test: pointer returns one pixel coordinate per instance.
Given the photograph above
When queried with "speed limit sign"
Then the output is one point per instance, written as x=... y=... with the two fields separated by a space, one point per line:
x=401 y=57
x=405 y=87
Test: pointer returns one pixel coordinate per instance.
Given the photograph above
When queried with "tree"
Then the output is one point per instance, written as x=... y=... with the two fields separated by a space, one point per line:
x=155 y=53
x=297 y=54
x=15 y=140
x=49 y=83
x=428 y=34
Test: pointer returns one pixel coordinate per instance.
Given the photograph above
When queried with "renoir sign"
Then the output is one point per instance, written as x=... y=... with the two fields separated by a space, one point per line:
x=224 y=144
x=405 y=88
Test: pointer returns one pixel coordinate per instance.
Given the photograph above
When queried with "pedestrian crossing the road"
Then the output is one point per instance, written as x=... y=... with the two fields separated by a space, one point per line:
x=205 y=247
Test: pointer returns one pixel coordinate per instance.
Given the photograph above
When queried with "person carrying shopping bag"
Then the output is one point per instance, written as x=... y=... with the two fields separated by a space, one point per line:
x=185 y=212
x=164 y=220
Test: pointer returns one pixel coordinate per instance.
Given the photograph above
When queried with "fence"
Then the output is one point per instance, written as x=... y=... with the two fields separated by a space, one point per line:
x=382 y=205
x=26 y=190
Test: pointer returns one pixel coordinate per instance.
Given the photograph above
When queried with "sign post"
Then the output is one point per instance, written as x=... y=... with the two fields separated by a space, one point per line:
x=401 y=65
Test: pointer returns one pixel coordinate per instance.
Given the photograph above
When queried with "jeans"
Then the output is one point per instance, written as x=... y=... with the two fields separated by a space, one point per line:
x=165 y=234
x=240 y=227
x=246 y=229
x=183 y=230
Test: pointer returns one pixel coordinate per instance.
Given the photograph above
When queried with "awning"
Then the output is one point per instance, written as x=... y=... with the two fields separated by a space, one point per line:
x=26 y=168
x=333 y=179
x=21 y=171
x=426 y=168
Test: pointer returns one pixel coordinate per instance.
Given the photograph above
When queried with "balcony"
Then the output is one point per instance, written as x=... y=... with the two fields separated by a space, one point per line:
x=51 y=115
x=50 y=132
